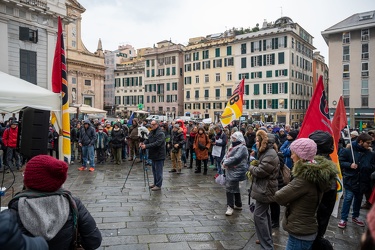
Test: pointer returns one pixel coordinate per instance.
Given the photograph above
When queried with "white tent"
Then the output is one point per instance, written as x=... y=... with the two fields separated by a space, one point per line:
x=16 y=93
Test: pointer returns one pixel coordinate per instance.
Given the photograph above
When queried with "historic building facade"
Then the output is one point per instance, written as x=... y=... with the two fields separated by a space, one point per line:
x=86 y=70
x=28 y=29
x=163 y=81
x=352 y=67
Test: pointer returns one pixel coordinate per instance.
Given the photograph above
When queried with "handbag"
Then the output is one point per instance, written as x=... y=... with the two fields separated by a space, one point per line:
x=285 y=172
x=220 y=179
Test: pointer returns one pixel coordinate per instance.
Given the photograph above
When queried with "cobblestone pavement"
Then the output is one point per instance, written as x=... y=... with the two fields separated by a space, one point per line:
x=188 y=213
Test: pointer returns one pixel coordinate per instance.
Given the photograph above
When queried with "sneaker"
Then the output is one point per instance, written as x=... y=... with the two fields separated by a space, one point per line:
x=229 y=211
x=358 y=222
x=72 y=162
x=179 y=171
x=82 y=168
x=152 y=185
x=92 y=169
x=172 y=171
x=237 y=208
x=156 y=188
x=342 y=224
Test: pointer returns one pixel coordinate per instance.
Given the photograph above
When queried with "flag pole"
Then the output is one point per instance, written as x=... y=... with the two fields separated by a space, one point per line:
x=351 y=144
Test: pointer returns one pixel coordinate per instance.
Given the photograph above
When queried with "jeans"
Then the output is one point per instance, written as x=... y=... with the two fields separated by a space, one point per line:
x=234 y=199
x=12 y=153
x=183 y=154
x=348 y=198
x=297 y=244
x=218 y=165
x=88 y=154
x=157 y=171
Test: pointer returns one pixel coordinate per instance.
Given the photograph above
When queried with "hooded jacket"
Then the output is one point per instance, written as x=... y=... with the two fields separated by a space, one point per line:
x=10 y=137
x=87 y=136
x=178 y=138
x=156 y=145
x=51 y=218
x=303 y=194
x=265 y=174
x=201 y=139
x=133 y=130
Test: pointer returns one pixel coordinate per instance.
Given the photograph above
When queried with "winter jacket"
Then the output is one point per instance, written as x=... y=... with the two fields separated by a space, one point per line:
x=266 y=172
x=235 y=161
x=250 y=139
x=191 y=139
x=87 y=136
x=51 y=217
x=303 y=194
x=11 y=236
x=156 y=145
x=201 y=152
x=357 y=180
x=133 y=131
x=222 y=144
x=101 y=141
x=287 y=153
x=189 y=129
x=73 y=135
x=177 y=138
x=118 y=137
x=10 y=137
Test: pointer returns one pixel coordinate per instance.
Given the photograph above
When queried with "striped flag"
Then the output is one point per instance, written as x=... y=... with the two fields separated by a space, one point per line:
x=233 y=110
x=60 y=85
x=317 y=118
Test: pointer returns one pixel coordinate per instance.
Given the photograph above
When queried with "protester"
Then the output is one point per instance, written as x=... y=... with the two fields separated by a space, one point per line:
x=177 y=143
x=191 y=138
x=235 y=165
x=313 y=175
x=87 y=137
x=201 y=146
x=12 y=237
x=264 y=187
x=101 y=145
x=156 y=145
x=10 y=142
x=291 y=136
x=189 y=148
x=133 y=140
x=274 y=206
x=184 y=131
x=45 y=209
x=353 y=135
x=356 y=177
x=219 y=143
x=73 y=140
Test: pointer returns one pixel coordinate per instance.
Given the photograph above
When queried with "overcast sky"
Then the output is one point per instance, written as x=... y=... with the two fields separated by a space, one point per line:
x=142 y=23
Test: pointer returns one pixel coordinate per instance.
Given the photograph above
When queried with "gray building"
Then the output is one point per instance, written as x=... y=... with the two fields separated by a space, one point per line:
x=351 y=45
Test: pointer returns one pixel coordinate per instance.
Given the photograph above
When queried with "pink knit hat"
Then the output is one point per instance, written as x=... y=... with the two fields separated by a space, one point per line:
x=304 y=148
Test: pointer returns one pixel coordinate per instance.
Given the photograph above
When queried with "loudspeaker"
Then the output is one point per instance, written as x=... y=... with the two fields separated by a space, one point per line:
x=33 y=132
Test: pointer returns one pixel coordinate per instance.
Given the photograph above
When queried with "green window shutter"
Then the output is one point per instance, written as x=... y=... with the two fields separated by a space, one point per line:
x=269 y=73
x=273 y=59
x=264 y=104
x=260 y=74
x=173 y=70
x=264 y=88
x=256 y=89
x=273 y=43
x=273 y=104
x=264 y=44
x=168 y=86
x=229 y=50
x=274 y=88
x=247 y=104
x=246 y=89
x=147 y=73
x=239 y=76
x=260 y=45
x=260 y=60
x=276 y=73
x=285 y=72
x=286 y=87
x=252 y=61
x=281 y=58
x=246 y=75
x=252 y=104
x=252 y=75
x=260 y=104
x=285 y=41
x=276 y=43
x=252 y=46
x=286 y=103
x=217 y=52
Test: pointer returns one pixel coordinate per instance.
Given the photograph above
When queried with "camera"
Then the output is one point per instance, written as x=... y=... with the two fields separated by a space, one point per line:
x=142 y=134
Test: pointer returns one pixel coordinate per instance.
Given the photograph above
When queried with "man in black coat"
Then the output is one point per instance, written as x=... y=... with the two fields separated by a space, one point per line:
x=156 y=146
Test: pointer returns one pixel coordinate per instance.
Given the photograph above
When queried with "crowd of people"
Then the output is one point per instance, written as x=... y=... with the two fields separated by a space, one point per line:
x=237 y=152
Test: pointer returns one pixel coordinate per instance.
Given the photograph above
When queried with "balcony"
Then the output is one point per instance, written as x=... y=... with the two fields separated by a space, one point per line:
x=38 y=3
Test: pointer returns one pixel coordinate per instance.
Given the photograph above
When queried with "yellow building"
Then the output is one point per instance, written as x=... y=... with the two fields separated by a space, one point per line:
x=86 y=70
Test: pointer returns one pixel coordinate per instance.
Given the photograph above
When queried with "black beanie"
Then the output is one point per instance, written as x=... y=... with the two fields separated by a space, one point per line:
x=323 y=140
x=293 y=134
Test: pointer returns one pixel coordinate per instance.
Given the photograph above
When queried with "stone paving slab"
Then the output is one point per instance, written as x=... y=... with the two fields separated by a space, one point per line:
x=188 y=213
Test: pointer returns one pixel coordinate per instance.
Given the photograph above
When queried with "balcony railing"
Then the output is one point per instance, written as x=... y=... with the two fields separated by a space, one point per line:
x=38 y=3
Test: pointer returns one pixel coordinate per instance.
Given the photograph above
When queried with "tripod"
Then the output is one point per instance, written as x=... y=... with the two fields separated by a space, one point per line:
x=145 y=170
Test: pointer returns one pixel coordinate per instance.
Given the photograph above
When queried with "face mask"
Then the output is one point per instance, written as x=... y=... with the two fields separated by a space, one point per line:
x=235 y=143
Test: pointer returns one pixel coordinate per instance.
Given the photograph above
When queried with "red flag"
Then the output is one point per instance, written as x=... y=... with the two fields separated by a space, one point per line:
x=57 y=62
x=317 y=115
x=339 y=120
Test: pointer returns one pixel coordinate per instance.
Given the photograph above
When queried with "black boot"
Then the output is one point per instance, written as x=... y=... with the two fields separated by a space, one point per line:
x=198 y=170
x=205 y=171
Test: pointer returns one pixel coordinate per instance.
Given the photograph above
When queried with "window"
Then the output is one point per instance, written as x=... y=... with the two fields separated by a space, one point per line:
x=197 y=66
x=196 y=94
x=205 y=54
x=168 y=86
x=187 y=94
x=195 y=56
x=243 y=62
x=28 y=66
x=187 y=67
x=26 y=34
x=174 y=85
x=256 y=89
x=87 y=82
x=345 y=70
x=228 y=61
x=217 y=77
x=173 y=71
x=364 y=87
x=206 y=78
x=160 y=72
x=74 y=80
x=292 y=58
x=269 y=59
x=196 y=79
x=365 y=35
x=243 y=48
x=281 y=72
x=188 y=57
x=255 y=75
x=269 y=73
x=206 y=64
x=281 y=58
x=217 y=93
x=206 y=93
x=229 y=92
x=217 y=63
x=168 y=71
x=243 y=76
x=269 y=88
x=217 y=52
x=345 y=53
x=365 y=72
x=364 y=51
x=187 y=80
x=281 y=87
x=364 y=101
x=345 y=88
x=229 y=50
x=229 y=76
